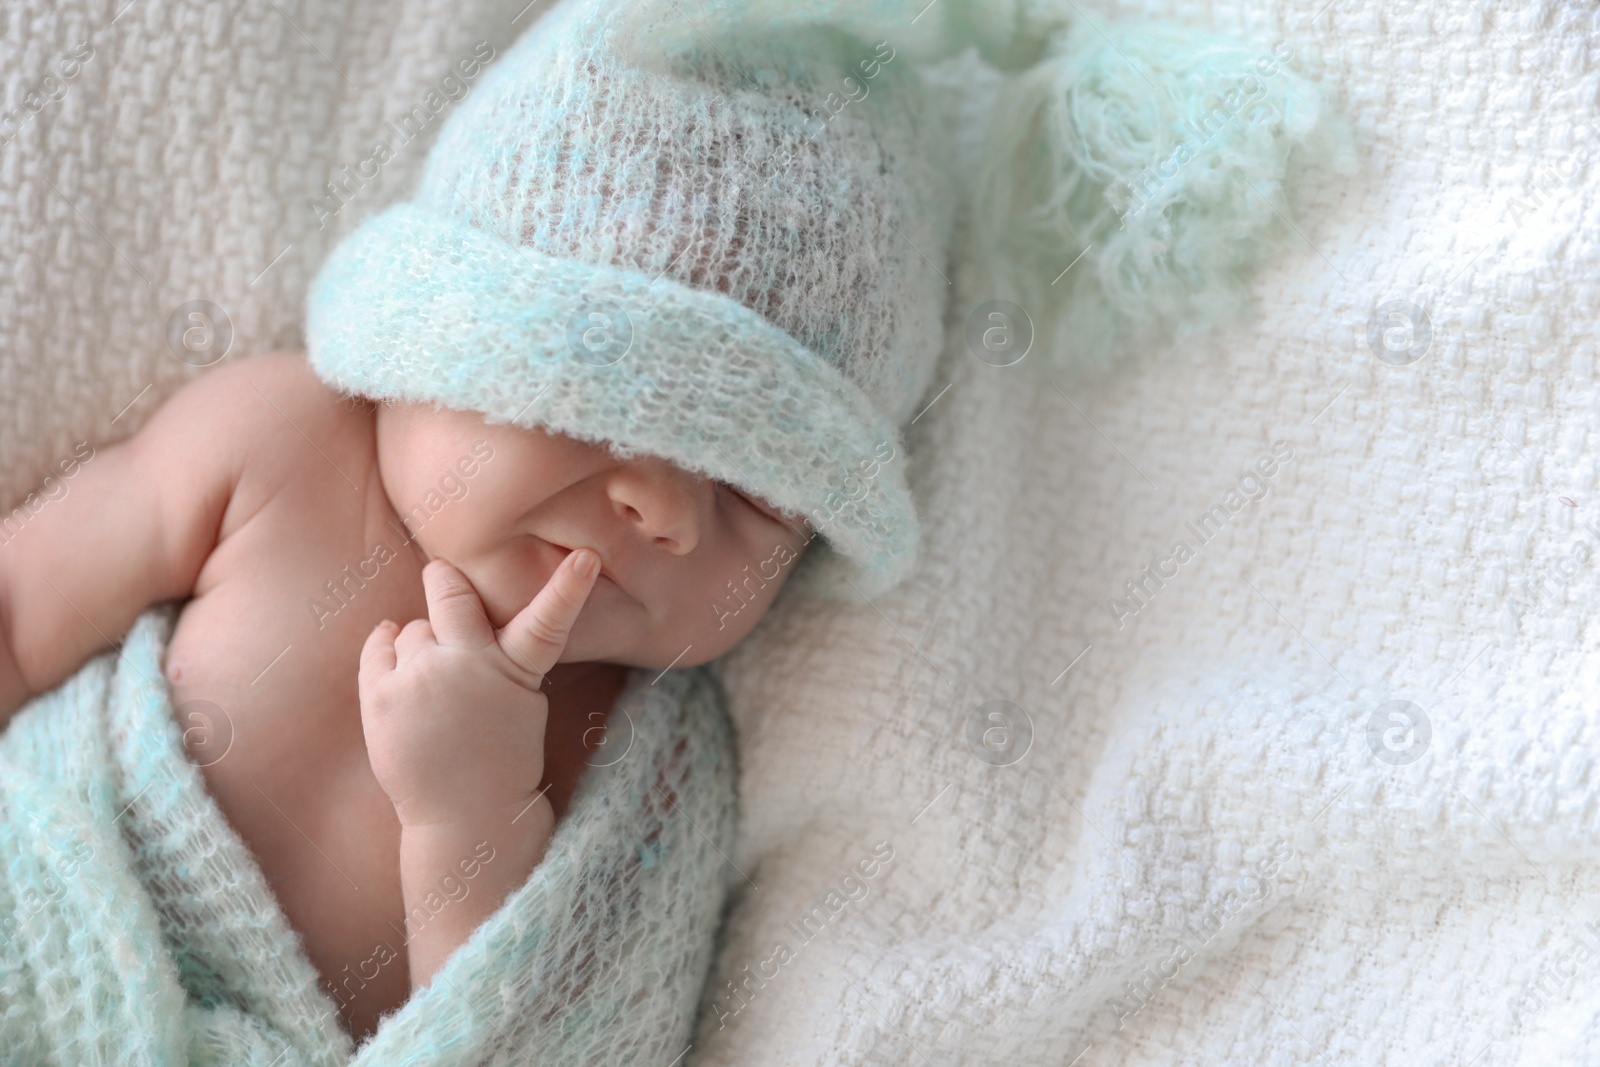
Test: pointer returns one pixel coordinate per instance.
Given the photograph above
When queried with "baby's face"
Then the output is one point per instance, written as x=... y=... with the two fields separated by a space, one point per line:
x=506 y=504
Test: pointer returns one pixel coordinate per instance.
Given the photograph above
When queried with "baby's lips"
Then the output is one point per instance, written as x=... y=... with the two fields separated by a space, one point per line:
x=604 y=572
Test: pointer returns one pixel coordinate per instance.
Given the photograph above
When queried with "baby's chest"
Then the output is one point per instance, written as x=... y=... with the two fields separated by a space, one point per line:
x=262 y=667
x=269 y=645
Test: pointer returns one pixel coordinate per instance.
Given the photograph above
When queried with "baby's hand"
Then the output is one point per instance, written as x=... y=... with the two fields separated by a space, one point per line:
x=451 y=709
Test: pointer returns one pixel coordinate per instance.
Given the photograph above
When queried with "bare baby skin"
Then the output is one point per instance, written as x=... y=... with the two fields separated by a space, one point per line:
x=386 y=607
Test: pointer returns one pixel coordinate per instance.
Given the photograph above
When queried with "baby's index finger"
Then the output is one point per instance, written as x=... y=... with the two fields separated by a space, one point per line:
x=535 y=639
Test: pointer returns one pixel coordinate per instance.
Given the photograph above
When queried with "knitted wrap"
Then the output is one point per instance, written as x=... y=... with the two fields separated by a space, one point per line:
x=137 y=928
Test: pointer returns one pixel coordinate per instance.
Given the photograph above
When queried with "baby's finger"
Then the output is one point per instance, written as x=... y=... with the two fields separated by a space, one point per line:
x=377 y=655
x=535 y=639
x=413 y=637
x=454 y=609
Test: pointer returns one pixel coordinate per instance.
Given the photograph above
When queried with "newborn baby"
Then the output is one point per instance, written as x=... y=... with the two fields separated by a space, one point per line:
x=588 y=324
x=256 y=486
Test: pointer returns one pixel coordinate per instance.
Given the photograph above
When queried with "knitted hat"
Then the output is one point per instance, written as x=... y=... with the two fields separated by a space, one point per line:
x=671 y=255
x=717 y=233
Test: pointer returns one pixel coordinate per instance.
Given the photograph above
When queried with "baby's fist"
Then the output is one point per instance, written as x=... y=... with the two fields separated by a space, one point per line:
x=451 y=709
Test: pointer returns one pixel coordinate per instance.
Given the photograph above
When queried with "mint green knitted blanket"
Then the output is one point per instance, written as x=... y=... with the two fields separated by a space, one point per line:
x=136 y=927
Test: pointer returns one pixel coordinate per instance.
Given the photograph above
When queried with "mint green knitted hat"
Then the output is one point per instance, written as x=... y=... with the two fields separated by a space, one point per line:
x=668 y=255
x=718 y=233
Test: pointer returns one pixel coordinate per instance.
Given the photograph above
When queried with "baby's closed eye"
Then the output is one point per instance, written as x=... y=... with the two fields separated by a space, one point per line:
x=757 y=503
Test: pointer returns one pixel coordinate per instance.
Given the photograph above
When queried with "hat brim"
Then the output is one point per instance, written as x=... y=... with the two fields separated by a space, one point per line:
x=417 y=306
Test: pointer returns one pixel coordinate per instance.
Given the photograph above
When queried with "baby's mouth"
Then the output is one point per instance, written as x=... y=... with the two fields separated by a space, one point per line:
x=605 y=571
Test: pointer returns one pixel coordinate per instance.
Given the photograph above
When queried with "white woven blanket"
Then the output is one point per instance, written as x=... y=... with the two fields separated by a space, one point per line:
x=1221 y=843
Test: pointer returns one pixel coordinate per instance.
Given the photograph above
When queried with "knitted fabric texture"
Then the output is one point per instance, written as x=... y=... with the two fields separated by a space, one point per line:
x=1432 y=910
x=666 y=253
x=1323 y=791
x=136 y=927
x=1129 y=177
x=643 y=231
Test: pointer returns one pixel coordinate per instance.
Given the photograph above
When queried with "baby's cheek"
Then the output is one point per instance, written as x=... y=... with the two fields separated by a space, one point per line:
x=729 y=607
x=457 y=527
x=507 y=578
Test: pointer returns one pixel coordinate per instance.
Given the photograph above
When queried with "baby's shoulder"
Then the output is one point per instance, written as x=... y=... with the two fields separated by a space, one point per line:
x=268 y=408
x=259 y=424
x=275 y=392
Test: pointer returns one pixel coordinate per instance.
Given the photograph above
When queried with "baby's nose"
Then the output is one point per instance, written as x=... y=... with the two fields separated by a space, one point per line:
x=662 y=501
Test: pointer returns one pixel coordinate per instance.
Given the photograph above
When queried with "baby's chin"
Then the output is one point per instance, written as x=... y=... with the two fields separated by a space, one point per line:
x=602 y=629
x=600 y=640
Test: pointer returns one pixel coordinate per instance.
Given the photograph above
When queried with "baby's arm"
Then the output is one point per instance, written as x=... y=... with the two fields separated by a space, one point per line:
x=137 y=521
